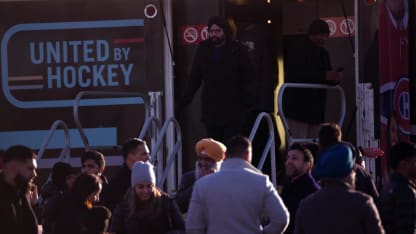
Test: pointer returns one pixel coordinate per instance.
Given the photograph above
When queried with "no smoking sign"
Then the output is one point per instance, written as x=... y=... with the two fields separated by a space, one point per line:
x=193 y=34
x=190 y=35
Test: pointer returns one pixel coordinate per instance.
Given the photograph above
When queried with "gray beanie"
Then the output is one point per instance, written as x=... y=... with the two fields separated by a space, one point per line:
x=142 y=172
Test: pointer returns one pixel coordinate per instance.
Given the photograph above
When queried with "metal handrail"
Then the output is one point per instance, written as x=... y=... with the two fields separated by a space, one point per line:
x=64 y=155
x=270 y=145
x=148 y=123
x=102 y=94
x=175 y=154
x=338 y=88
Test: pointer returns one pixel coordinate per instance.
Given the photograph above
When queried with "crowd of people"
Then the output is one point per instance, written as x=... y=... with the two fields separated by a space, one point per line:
x=225 y=193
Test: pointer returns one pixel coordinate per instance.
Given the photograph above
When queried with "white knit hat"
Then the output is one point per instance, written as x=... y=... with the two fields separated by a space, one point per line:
x=142 y=172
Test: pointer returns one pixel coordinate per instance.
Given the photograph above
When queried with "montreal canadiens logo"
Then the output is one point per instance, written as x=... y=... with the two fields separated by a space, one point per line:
x=401 y=104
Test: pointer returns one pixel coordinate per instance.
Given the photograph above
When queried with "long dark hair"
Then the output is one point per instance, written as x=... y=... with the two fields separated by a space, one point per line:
x=84 y=185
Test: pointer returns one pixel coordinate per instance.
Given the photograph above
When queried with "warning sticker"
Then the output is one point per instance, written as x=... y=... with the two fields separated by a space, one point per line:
x=190 y=35
x=338 y=26
x=193 y=34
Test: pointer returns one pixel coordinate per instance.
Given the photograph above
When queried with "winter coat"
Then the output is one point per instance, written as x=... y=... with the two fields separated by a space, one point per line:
x=114 y=191
x=69 y=215
x=16 y=214
x=228 y=77
x=294 y=192
x=184 y=193
x=306 y=63
x=128 y=221
x=337 y=208
x=235 y=200
x=397 y=206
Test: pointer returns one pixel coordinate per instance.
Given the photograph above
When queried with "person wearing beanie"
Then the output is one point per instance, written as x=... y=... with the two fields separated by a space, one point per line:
x=210 y=154
x=145 y=208
x=237 y=199
x=134 y=150
x=142 y=173
x=61 y=180
x=342 y=210
x=308 y=61
x=223 y=68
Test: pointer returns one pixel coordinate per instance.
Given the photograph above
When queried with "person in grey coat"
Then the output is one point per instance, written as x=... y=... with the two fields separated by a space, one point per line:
x=237 y=199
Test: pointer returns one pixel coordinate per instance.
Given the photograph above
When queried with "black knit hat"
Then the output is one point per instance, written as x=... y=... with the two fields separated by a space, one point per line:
x=318 y=26
x=222 y=23
x=60 y=171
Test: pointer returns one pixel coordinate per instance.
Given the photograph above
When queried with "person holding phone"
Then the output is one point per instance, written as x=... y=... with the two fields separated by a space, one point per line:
x=309 y=62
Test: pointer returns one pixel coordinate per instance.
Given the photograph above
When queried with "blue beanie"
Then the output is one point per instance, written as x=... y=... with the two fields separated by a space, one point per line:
x=336 y=162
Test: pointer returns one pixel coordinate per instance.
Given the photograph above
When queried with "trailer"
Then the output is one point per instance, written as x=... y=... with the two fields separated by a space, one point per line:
x=79 y=75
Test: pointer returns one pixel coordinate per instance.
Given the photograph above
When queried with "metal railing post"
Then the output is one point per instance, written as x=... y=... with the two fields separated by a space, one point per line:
x=175 y=154
x=64 y=155
x=270 y=145
x=282 y=89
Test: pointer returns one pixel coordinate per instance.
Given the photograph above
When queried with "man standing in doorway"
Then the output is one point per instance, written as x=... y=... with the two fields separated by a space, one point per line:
x=308 y=62
x=224 y=68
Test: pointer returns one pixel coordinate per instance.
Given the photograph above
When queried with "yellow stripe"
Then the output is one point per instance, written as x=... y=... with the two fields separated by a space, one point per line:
x=23 y=78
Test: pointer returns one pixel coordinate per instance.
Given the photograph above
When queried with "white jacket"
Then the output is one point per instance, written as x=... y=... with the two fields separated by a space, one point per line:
x=234 y=200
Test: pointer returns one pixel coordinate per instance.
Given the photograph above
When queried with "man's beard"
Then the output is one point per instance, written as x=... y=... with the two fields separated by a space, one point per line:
x=22 y=184
x=217 y=40
x=293 y=173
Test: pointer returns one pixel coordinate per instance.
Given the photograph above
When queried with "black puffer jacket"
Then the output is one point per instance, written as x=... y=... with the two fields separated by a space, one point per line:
x=228 y=82
x=397 y=206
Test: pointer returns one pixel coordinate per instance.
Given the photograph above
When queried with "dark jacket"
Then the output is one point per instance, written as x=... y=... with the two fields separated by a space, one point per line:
x=50 y=208
x=294 y=192
x=364 y=183
x=114 y=191
x=69 y=215
x=228 y=83
x=124 y=221
x=306 y=63
x=183 y=196
x=397 y=205
x=16 y=214
x=337 y=208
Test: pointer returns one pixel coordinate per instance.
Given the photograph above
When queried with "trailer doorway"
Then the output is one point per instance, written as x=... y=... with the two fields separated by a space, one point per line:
x=257 y=25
